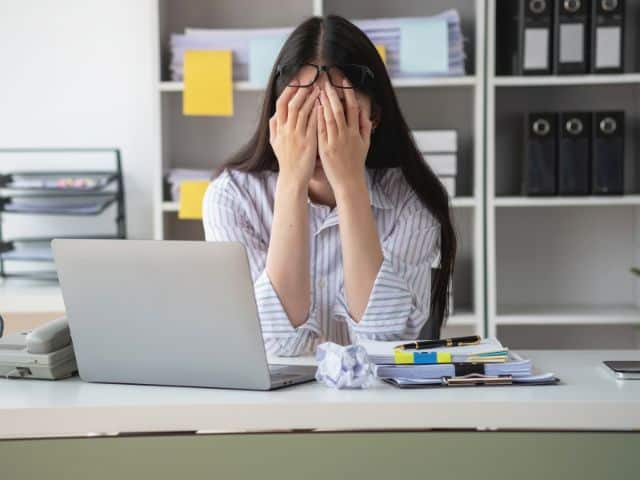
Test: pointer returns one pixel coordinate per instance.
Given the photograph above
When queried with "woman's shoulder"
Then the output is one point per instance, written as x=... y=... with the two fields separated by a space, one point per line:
x=233 y=183
x=394 y=185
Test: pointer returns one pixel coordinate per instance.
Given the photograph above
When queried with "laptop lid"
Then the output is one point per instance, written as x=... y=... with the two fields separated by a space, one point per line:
x=162 y=312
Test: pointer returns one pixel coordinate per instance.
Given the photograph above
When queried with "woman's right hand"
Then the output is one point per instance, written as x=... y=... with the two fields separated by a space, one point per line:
x=293 y=133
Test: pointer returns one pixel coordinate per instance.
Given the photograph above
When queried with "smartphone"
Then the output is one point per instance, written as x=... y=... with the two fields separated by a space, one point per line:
x=625 y=370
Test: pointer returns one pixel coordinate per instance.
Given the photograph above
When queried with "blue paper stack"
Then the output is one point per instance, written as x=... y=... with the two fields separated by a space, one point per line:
x=420 y=46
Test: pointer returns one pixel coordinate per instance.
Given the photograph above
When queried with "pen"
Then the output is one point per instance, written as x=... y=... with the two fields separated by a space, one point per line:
x=445 y=342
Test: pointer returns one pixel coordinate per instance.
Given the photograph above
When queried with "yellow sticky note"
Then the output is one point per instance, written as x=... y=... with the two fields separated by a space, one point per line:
x=191 y=195
x=443 y=357
x=382 y=51
x=403 y=357
x=208 y=83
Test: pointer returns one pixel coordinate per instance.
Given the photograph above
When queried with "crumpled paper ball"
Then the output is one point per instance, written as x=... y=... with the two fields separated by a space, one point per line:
x=344 y=367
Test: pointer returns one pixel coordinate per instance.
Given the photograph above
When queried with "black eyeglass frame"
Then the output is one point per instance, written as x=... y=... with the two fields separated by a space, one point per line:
x=366 y=72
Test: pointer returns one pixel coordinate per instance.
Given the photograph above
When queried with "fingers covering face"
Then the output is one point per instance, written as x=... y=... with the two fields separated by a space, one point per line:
x=305 y=110
x=282 y=102
x=353 y=108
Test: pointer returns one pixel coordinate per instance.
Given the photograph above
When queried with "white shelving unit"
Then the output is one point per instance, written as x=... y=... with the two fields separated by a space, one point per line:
x=451 y=103
x=559 y=262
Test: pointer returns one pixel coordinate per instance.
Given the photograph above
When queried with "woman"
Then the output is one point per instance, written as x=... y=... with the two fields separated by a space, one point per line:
x=341 y=218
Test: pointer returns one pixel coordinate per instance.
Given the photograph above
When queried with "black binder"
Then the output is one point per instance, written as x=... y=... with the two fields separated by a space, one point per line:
x=608 y=153
x=574 y=153
x=539 y=173
x=524 y=37
x=571 y=31
x=607 y=36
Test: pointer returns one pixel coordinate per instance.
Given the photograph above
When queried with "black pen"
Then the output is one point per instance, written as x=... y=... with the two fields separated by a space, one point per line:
x=445 y=342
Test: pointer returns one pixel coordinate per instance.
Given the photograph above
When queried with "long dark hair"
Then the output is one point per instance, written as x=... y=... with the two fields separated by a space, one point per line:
x=338 y=41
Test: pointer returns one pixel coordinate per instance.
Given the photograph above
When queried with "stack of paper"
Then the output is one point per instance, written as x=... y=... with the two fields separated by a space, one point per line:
x=489 y=358
x=33 y=252
x=58 y=205
x=56 y=182
x=439 y=150
x=419 y=46
x=254 y=51
x=413 y=46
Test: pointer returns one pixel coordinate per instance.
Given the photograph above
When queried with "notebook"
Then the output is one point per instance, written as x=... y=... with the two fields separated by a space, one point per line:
x=489 y=350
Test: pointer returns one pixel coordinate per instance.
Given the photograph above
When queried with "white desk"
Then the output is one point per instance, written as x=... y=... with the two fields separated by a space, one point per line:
x=588 y=400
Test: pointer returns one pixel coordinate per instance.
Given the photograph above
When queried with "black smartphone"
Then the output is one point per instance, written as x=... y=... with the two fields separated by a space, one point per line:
x=625 y=370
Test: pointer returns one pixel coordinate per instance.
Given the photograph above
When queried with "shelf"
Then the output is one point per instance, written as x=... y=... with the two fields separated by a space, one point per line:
x=170 y=206
x=591 y=201
x=551 y=80
x=568 y=315
x=462 y=318
x=461 y=81
x=458 y=202
x=463 y=202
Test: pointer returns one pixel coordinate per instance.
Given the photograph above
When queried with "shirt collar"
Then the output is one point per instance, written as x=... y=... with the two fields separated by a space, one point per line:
x=377 y=197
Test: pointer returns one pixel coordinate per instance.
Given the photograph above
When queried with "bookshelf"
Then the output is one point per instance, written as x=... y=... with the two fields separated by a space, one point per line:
x=559 y=262
x=459 y=102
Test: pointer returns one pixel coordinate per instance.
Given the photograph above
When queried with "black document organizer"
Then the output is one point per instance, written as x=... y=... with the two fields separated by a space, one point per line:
x=45 y=199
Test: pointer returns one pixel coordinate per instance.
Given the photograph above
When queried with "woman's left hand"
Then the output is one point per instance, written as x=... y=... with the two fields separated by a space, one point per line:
x=343 y=137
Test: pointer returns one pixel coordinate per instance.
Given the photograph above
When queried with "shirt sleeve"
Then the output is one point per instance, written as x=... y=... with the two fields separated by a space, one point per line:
x=225 y=219
x=399 y=302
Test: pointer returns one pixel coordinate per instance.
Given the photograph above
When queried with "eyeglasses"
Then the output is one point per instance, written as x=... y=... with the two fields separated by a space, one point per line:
x=305 y=74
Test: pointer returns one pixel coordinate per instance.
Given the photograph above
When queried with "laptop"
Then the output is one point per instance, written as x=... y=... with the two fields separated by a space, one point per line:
x=166 y=313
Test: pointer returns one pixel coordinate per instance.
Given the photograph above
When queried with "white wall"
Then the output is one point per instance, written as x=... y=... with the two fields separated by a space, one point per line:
x=82 y=73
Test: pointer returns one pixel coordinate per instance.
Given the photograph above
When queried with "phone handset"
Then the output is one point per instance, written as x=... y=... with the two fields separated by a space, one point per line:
x=49 y=337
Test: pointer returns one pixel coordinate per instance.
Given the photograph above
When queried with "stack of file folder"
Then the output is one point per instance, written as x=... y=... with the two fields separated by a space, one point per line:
x=414 y=46
x=439 y=150
x=486 y=363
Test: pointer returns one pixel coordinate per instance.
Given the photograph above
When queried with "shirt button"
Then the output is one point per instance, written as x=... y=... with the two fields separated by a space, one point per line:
x=322 y=283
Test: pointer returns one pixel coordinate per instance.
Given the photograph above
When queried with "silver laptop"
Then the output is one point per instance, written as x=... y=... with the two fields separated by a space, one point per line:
x=166 y=313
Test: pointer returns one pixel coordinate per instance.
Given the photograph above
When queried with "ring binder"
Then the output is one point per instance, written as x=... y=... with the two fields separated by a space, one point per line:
x=525 y=38
x=574 y=153
x=607 y=36
x=570 y=36
x=539 y=175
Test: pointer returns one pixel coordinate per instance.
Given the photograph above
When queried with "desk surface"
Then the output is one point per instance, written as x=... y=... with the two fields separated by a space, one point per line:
x=589 y=398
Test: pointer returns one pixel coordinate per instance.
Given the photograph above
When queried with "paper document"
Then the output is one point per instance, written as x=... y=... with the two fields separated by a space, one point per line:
x=384 y=352
x=263 y=52
x=208 y=83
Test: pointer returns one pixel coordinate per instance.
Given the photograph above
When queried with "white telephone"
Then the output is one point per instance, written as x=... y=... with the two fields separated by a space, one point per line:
x=45 y=352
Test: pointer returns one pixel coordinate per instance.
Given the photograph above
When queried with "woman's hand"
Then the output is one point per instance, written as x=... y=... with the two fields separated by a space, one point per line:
x=343 y=140
x=293 y=133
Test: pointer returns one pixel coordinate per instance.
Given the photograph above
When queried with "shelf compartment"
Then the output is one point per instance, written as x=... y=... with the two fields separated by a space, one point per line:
x=565 y=256
x=512 y=104
x=568 y=315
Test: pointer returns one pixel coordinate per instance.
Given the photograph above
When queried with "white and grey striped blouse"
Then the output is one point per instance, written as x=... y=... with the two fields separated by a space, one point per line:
x=239 y=207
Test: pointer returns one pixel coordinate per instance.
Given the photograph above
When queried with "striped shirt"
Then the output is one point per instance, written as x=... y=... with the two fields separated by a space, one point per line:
x=238 y=207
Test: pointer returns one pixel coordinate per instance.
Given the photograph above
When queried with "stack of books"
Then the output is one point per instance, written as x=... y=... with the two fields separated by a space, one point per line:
x=485 y=363
x=439 y=150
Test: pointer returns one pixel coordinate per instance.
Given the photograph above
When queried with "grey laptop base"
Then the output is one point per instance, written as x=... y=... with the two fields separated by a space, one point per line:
x=166 y=313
